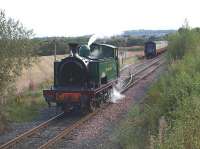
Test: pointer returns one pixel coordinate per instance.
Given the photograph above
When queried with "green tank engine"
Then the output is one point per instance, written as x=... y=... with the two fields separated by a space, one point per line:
x=85 y=78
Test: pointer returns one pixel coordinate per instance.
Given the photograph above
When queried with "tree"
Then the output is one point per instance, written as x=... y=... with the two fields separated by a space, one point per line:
x=16 y=52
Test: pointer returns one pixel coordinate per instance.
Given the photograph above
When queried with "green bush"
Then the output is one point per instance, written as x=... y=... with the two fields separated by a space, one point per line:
x=174 y=98
x=25 y=106
x=16 y=53
x=182 y=42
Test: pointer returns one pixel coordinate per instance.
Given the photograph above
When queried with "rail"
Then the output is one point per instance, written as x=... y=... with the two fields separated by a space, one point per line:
x=30 y=132
x=127 y=83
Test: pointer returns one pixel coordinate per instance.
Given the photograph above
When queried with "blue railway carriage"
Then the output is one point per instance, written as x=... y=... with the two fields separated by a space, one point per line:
x=153 y=48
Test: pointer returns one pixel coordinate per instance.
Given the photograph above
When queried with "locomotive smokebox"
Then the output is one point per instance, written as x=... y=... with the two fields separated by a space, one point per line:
x=73 y=47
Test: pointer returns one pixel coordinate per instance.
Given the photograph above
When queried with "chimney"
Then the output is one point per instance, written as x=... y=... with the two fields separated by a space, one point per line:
x=73 y=47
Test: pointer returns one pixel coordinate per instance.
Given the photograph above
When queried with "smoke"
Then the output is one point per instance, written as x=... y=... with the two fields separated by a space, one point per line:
x=119 y=84
x=96 y=53
x=116 y=96
x=92 y=39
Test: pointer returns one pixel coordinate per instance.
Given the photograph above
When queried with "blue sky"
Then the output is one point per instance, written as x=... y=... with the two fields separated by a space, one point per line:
x=101 y=17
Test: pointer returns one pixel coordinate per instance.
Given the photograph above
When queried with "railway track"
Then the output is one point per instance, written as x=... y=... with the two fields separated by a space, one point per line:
x=30 y=132
x=135 y=74
x=142 y=73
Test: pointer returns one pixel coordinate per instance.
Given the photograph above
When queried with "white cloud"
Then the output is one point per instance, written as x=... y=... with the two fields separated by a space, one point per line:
x=79 y=17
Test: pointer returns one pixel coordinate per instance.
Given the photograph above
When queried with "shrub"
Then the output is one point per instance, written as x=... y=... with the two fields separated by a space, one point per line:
x=173 y=99
x=15 y=53
x=182 y=42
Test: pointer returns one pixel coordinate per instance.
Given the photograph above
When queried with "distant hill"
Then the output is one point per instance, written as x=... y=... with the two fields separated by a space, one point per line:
x=147 y=33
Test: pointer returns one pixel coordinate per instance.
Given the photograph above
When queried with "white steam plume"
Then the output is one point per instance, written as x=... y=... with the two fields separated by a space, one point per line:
x=116 y=96
x=92 y=39
x=95 y=53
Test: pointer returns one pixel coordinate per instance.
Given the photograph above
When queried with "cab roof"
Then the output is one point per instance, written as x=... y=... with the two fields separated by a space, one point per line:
x=106 y=45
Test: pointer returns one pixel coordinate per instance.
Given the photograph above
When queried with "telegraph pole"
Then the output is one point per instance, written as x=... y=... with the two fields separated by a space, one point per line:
x=54 y=50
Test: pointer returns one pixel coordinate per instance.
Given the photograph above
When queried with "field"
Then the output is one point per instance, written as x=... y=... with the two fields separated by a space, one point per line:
x=133 y=51
x=40 y=72
x=132 y=48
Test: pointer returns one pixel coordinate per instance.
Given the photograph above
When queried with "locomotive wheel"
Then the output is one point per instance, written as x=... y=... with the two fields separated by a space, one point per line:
x=84 y=107
x=101 y=103
x=107 y=96
x=84 y=111
x=64 y=109
x=93 y=106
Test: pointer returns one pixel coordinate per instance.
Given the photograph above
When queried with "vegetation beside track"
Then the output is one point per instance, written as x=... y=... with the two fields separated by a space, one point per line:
x=132 y=48
x=127 y=61
x=25 y=106
x=169 y=117
x=16 y=53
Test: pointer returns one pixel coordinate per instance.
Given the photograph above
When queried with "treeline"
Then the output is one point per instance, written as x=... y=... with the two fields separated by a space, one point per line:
x=148 y=33
x=169 y=117
x=125 y=41
x=46 y=45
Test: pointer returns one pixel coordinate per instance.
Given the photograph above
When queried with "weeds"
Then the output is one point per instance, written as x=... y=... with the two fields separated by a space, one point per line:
x=169 y=118
x=25 y=106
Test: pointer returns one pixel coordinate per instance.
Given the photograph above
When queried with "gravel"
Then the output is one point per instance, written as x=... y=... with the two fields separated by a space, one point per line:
x=18 y=128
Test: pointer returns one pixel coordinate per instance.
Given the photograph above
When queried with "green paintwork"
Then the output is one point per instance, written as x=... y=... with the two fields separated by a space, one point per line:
x=108 y=68
x=84 y=51
x=103 y=68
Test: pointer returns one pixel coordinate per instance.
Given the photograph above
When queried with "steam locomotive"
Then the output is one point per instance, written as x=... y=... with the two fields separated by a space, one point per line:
x=153 y=48
x=84 y=79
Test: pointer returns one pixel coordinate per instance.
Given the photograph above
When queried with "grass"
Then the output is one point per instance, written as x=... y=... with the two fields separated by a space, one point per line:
x=29 y=100
x=169 y=117
x=25 y=107
x=37 y=74
x=132 y=48
x=128 y=60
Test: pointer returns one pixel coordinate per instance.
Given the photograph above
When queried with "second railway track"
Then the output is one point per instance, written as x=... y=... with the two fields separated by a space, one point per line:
x=49 y=132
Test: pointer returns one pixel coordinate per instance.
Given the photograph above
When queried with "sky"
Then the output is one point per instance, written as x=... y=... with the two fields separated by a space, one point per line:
x=100 y=17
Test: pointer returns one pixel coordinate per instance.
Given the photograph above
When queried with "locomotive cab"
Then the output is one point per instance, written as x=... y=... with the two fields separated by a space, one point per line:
x=104 y=65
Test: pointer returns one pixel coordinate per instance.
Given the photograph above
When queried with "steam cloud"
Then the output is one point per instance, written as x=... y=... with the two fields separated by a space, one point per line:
x=95 y=53
x=116 y=96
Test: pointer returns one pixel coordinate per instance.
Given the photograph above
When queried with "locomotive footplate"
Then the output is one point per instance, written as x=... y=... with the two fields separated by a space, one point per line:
x=72 y=96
